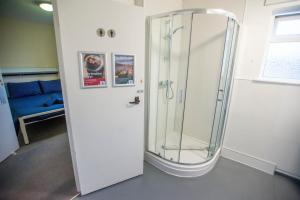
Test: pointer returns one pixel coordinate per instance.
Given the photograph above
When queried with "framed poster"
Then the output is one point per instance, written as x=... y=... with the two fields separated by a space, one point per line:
x=93 y=69
x=123 y=70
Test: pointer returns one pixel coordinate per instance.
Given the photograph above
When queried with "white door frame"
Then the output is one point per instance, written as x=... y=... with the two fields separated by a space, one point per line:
x=64 y=92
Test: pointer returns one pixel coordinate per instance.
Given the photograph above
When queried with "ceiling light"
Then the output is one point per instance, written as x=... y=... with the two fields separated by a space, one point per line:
x=46 y=6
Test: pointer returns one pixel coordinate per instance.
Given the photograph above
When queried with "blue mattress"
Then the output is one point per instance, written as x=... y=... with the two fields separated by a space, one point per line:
x=32 y=105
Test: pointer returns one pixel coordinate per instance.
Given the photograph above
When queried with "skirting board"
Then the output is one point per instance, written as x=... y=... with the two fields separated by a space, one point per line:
x=251 y=161
x=288 y=174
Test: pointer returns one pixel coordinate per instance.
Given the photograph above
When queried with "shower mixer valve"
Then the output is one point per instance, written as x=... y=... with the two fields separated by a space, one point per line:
x=169 y=90
x=165 y=84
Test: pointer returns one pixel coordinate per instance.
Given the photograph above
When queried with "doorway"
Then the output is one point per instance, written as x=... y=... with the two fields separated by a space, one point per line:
x=42 y=167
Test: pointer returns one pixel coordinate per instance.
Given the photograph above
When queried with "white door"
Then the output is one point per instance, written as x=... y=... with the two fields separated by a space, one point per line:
x=8 y=138
x=106 y=132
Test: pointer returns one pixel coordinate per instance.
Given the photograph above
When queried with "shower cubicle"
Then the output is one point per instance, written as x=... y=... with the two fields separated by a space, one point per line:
x=191 y=55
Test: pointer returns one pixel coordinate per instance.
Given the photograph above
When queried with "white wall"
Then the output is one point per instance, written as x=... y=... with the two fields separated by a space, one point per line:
x=153 y=7
x=27 y=44
x=130 y=2
x=263 y=125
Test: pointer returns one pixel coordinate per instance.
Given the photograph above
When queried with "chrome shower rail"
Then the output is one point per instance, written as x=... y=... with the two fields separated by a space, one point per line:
x=198 y=11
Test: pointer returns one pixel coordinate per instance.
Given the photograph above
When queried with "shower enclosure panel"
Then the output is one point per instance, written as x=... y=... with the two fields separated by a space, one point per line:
x=190 y=72
x=169 y=62
x=224 y=86
x=205 y=66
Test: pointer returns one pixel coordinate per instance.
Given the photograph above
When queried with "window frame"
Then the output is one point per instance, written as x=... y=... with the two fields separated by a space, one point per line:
x=269 y=2
x=279 y=39
x=284 y=38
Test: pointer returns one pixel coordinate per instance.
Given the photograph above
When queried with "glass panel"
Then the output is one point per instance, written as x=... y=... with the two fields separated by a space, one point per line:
x=224 y=87
x=287 y=26
x=177 y=76
x=205 y=64
x=159 y=73
x=154 y=37
x=169 y=62
x=221 y=90
x=283 y=61
x=270 y=2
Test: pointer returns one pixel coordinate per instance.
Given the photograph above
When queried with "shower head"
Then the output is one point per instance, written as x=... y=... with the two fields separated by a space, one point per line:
x=177 y=29
x=169 y=36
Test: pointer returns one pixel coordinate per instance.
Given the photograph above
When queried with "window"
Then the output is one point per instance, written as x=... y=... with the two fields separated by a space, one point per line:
x=283 y=57
x=272 y=2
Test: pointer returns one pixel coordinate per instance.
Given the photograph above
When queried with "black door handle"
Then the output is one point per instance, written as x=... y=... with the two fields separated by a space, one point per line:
x=136 y=101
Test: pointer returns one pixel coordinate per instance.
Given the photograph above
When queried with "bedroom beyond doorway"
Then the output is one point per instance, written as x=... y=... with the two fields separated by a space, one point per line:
x=32 y=106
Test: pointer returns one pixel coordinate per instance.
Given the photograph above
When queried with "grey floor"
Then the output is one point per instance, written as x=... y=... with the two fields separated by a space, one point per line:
x=227 y=181
x=43 y=170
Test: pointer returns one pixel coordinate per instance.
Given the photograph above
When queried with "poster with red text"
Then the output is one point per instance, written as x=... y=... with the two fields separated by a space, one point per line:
x=93 y=69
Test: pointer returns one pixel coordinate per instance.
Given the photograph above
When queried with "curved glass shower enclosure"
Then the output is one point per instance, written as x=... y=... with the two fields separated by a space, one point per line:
x=190 y=71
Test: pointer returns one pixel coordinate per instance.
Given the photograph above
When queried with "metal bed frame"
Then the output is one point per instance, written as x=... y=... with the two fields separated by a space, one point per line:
x=37 y=117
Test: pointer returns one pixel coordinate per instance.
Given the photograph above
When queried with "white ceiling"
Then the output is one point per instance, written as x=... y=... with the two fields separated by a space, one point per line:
x=25 y=10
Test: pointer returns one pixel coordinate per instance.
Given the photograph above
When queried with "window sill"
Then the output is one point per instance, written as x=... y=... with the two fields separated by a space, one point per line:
x=277 y=81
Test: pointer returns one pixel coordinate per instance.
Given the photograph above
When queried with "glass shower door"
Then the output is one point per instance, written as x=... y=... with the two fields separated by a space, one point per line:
x=180 y=43
x=169 y=62
x=224 y=86
x=160 y=64
x=205 y=66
